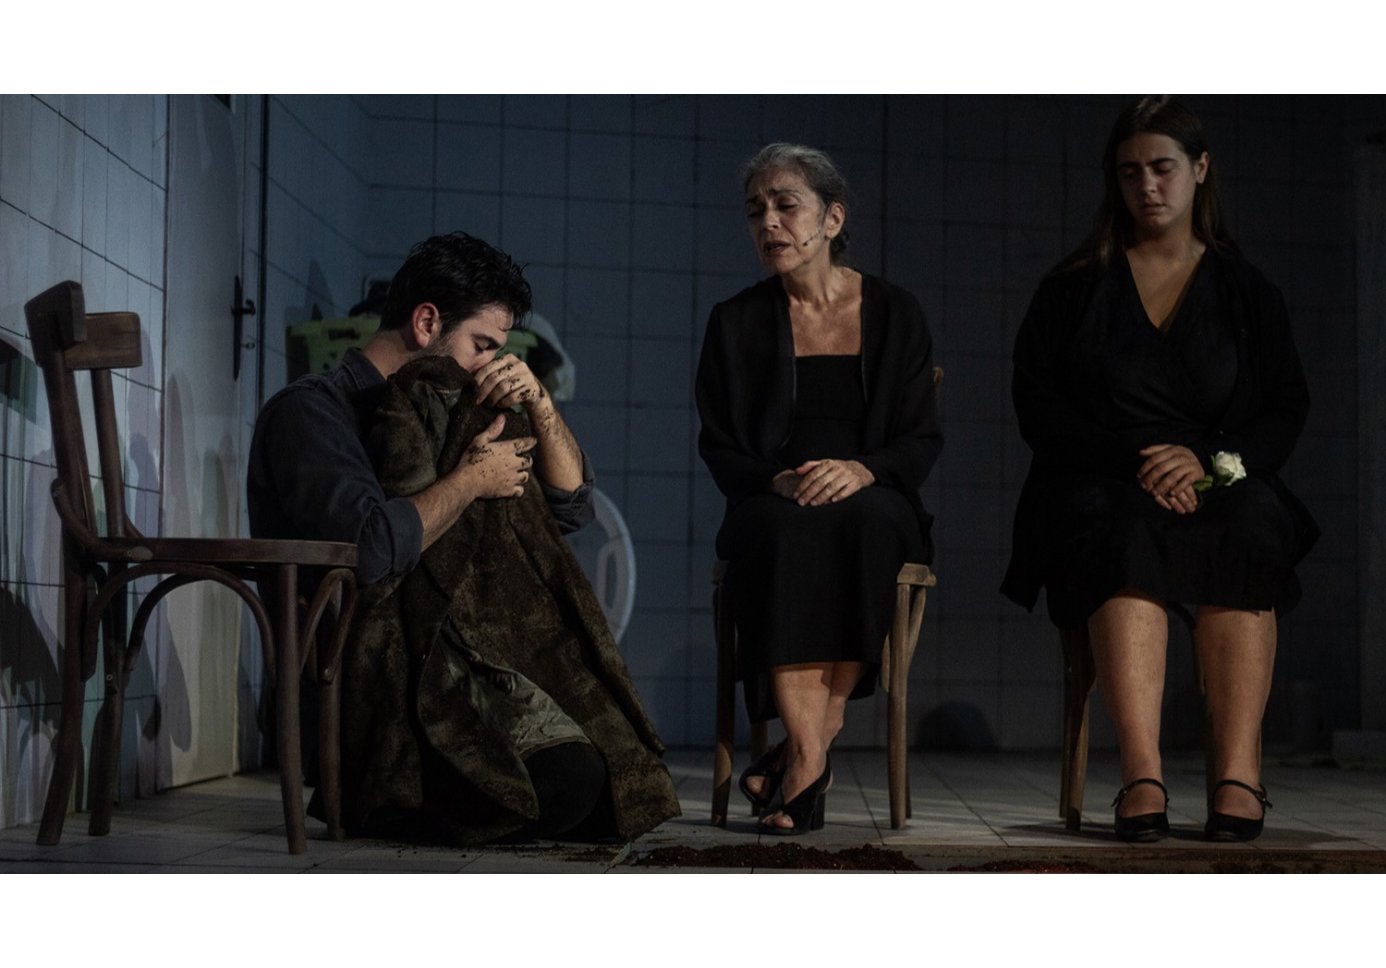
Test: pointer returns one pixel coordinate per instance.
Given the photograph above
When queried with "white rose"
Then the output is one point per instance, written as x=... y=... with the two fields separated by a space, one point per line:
x=1228 y=468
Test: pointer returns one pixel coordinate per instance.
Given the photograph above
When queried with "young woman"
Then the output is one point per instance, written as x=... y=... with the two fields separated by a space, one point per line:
x=1158 y=386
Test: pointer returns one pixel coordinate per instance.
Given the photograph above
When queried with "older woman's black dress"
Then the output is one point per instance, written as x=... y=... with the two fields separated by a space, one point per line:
x=1096 y=381
x=816 y=584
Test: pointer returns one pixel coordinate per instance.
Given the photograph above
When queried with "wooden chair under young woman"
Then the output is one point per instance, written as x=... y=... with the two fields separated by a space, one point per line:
x=99 y=569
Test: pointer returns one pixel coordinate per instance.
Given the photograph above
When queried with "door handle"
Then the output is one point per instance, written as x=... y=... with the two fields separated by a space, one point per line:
x=241 y=307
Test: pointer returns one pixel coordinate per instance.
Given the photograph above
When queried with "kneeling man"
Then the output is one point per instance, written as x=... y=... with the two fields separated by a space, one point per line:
x=483 y=696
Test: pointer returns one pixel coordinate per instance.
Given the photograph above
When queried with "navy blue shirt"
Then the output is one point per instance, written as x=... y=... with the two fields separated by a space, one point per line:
x=310 y=478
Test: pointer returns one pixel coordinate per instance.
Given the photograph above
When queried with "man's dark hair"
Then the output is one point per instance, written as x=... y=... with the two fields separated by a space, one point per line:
x=461 y=275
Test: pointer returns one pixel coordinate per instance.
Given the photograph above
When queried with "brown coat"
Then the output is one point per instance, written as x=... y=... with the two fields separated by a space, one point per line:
x=492 y=648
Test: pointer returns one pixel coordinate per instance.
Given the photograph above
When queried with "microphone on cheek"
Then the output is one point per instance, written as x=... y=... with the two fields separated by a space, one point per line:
x=813 y=238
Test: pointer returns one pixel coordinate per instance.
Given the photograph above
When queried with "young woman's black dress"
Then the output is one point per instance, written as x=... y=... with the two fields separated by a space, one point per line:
x=1145 y=385
x=817 y=584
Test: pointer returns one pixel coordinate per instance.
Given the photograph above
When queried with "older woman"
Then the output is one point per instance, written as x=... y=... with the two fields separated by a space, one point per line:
x=818 y=424
x=1158 y=385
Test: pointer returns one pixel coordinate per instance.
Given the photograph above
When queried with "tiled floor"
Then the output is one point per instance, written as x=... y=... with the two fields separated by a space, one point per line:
x=971 y=812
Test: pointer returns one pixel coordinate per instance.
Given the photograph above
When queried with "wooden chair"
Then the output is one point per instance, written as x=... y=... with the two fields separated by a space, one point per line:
x=911 y=589
x=911 y=586
x=98 y=570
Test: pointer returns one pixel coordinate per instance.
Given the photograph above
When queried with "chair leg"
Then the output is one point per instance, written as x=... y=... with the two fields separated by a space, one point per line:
x=896 y=660
x=898 y=767
x=330 y=755
x=288 y=675
x=896 y=764
x=104 y=771
x=105 y=752
x=1078 y=679
x=724 y=631
x=67 y=756
x=67 y=760
x=331 y=640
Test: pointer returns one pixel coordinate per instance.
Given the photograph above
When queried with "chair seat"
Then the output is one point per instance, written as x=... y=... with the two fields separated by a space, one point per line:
x=911 y=573
x=916 y=575
x=245 y=551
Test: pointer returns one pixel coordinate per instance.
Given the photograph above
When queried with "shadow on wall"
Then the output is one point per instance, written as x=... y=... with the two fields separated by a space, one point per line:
x=160 y=716
x=29 y=682
x=254 y=705
x=199 y=480
x=318 y=300
x=29 y=657
x=18 y=384
x=18 y=397
x=140 y=457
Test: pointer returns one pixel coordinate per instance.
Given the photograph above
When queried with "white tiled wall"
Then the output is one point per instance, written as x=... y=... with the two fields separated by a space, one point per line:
x=82 y=196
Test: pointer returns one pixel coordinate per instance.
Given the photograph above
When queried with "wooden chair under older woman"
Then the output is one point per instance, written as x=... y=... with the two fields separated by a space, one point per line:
x=911 y=589
x=99 y=569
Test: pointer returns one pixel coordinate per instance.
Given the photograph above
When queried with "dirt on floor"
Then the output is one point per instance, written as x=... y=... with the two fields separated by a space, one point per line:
x=1011 y=860
x=1026 y=867
x=779 y=857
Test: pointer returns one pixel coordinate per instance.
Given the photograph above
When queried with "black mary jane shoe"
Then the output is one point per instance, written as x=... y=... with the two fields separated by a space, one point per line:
x=1143 y=828
x=771 y=767
x=807 y=811
x=1229 y=829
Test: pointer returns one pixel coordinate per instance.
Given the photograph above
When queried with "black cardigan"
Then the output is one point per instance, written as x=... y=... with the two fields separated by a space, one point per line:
x=745 y=390
x=1263 y=420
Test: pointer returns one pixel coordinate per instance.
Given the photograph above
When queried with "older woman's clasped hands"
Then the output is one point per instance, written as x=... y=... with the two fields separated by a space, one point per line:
x=818 y=482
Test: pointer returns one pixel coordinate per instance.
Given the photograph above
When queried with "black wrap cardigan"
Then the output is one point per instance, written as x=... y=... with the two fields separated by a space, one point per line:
x=745 y=391
x=1263 y=420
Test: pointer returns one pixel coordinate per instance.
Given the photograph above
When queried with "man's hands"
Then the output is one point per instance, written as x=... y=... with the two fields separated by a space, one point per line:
x=818 y=482
x=507 y=381
x=497 y=468
x=489 y=468
x=1168 y=475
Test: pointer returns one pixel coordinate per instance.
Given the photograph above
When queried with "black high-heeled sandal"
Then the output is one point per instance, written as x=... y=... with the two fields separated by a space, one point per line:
x=1229 y=829
x=1143 y=828
x=807 y=811
x=769 y=766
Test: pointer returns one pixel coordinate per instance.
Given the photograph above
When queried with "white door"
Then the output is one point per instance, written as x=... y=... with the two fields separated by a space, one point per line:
x=203 y=450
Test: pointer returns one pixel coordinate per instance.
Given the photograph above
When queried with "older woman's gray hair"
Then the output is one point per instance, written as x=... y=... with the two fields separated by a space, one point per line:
x=815 y=167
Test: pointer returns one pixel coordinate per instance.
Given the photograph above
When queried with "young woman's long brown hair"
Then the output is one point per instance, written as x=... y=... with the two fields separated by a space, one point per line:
x=1112 y=226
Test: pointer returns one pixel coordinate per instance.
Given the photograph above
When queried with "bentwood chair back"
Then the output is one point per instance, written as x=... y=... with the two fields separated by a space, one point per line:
x=99 y=568
x=911 y=591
